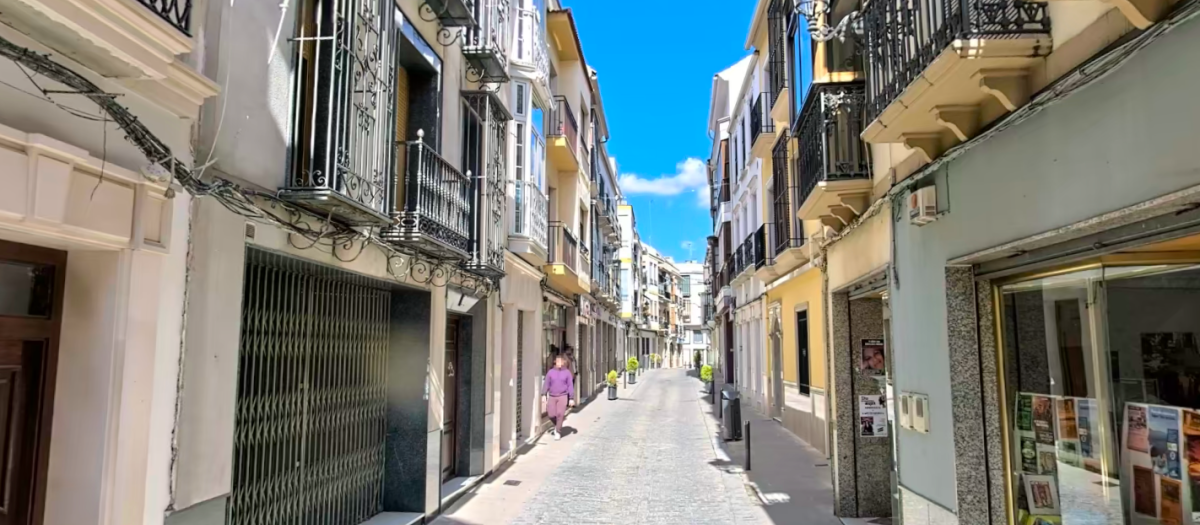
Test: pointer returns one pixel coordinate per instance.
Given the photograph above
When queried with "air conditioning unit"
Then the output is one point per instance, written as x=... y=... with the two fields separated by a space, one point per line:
x=922 y=205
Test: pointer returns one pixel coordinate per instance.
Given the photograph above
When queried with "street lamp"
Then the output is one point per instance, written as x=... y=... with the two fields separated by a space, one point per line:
x=814 y=10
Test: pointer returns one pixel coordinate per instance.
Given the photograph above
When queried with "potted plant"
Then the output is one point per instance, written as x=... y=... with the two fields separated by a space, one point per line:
x=612 y=385
x=631 y=368
x=654 y=360
x=706 y=376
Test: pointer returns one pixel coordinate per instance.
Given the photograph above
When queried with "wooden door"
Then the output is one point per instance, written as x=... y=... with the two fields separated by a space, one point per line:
x=31 y=285
x=450 y=395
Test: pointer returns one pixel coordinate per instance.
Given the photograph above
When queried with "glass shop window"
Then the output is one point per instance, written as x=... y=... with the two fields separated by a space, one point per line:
x=1101 y=374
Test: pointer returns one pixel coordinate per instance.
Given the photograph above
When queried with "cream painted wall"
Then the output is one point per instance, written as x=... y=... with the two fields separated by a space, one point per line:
x=865 y=250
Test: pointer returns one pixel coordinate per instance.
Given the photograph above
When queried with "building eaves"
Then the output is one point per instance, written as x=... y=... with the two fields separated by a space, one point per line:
x=760 y=10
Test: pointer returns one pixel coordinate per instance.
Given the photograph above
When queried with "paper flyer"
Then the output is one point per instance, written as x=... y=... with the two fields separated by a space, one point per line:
x=1025 y=413
x=1029 y=455
x=1043 y=419
x=1135 y=424
x=1047 y=459
x=1164 y=441
x=873 y=362
x=1083 y=408
x=872 y=413
x=1195 y=486
x=1143 y=492
x=1172 y=503
x=1067 y=426
x=1191 y=435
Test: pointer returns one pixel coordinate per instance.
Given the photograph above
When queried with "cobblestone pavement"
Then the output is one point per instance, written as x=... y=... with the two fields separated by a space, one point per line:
x=652 y=461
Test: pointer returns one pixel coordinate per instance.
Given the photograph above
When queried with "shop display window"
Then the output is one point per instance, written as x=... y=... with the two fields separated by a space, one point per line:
x=1100 y=372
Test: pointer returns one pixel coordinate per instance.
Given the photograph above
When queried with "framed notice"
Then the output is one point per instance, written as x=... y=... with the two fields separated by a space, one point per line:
x=872 y=357
x=872 y=416
x=1042 y=494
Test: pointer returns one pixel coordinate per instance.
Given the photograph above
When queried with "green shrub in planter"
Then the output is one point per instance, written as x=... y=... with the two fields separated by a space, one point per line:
x=706 y=374
x=631 y=365
x=612 y=385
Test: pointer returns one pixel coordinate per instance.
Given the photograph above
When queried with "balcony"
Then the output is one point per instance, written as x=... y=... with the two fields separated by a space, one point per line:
x=777 y=68
x=785 y=235
x=434 y=204
x=451 y=13
x=338 y=170
x=762 y=127
x=751 y=255
x=833 y=168
x=562 y=133
x=484 y=117
x=485 y=45
x=563 y=269
x=530 y=54
x=939 y=70
x=528 y=235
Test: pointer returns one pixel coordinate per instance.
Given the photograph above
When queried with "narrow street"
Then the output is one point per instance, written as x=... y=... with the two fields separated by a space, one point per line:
x=651 y=457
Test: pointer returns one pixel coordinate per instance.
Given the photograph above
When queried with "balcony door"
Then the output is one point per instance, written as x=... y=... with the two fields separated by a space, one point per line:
x=31 y=285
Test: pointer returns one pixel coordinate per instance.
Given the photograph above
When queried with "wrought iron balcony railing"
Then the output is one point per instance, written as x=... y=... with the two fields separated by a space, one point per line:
x=530 y=44
x=343 y=132
x=433 y=205
x=758 y=246
x=905 y=36
x=830 y=125
x=787 y=229
x=564 y=247
x=760 y=116
x=563 y=124
x=530 y=216
x=486 y=119
x=178 y=13
x=777 y=19
x=485 y=45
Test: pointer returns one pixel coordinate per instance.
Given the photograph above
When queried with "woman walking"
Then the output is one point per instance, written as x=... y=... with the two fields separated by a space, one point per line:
x=558 y=393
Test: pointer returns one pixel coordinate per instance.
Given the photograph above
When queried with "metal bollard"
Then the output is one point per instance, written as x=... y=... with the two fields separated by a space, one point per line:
x=747 y=446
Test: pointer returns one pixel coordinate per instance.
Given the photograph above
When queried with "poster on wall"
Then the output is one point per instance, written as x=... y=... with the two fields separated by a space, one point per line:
x=872 y=413
x=1171 y=508
x=1025 y=413
x=1164 y=441
x=1043 y=420
x=872 y=357
x=1143 y=491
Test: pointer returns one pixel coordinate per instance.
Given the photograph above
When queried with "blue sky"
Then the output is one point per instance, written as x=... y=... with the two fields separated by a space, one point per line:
x=656 y=60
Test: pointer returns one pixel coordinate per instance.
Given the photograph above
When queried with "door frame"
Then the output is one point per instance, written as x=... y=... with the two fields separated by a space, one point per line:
x=21 y=328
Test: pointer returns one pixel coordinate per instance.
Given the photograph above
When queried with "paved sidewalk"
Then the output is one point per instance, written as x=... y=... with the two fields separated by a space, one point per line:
x=791 y=479
x=651 y=458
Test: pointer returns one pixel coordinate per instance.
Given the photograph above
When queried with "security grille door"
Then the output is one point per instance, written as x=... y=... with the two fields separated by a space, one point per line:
x=311 y=400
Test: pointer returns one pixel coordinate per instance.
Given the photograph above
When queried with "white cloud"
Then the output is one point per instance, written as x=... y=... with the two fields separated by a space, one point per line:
x=690 y=175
